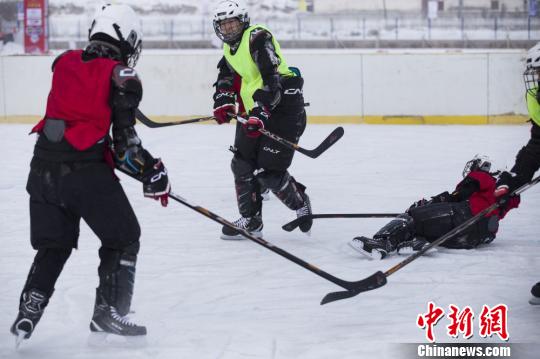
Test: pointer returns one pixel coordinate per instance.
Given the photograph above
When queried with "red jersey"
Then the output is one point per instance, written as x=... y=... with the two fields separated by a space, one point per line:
x=80 y=96
x=484 y=196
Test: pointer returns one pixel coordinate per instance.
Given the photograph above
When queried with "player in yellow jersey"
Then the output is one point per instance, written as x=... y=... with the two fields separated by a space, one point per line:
x=254 y=74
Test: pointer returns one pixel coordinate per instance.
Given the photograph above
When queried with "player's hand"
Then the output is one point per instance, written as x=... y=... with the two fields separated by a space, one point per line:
x=224 y=106
x=156 y=183
x=256 y=121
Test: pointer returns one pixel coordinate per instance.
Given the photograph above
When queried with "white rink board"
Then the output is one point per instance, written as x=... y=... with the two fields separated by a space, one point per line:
x=26 y=84
x=337 y=83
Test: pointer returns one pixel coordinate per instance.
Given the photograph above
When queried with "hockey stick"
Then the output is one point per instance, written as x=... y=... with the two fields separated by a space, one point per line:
x=381 y=277
x=292 y=225
x=375 y=281
x=314 y=153
x=152 y=124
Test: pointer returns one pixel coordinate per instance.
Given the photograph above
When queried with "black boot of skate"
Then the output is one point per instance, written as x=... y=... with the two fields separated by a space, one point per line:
x=253 y=225
x=293 y=195
x=33 y=303
x=373 y=248
x=412 y=246
x=535 y=291
x=106 y=319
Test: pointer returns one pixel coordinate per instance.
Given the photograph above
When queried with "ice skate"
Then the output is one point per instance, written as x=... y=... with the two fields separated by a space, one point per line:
x=305 y=210
x=253 y=225
x=33 y=303
x=412 y=246
x=108 y=327
x=373 y=248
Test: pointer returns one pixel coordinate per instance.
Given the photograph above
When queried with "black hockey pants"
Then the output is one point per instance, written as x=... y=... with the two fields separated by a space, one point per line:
x=269 y=158
x=61 y=193
x=434 y=220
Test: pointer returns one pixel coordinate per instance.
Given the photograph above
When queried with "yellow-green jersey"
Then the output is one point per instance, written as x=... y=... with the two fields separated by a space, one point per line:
x=241 y=61
x=533 y=106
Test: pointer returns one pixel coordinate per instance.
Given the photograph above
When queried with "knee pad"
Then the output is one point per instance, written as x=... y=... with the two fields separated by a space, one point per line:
x=274 y=180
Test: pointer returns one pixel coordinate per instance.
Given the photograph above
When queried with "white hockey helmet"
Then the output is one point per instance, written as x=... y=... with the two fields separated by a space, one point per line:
x=119 y=26
x=531 y=75
x=226 y=11
x=478 y=163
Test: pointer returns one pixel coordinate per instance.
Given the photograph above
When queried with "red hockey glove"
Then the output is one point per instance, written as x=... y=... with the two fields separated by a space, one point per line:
x=224 y=103
x=256 y=121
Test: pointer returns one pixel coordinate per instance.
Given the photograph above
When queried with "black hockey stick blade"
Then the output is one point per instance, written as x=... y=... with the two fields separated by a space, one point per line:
x=325 y=145
x=374 y=281
x=152 y=124
x=292 y=225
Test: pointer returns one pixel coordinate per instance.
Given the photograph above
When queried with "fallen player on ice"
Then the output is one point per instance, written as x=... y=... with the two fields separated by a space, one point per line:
x=425 y=221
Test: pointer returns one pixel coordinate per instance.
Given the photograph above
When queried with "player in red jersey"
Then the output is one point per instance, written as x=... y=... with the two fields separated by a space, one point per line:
x=425 y=221
x=71 y=174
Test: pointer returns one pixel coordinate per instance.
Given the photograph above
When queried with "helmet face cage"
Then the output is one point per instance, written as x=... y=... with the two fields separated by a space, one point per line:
x=478 y=163
x=531 y=76
x=130 y=47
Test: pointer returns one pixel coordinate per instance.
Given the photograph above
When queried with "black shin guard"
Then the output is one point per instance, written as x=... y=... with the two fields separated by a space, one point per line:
x=247 y=188
x=117 y=277
x=45 y=270
x=398 y=230
x=284 y=186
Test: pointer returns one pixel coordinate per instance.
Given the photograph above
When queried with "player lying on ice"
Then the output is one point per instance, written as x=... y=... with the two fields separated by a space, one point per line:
x=427 y=220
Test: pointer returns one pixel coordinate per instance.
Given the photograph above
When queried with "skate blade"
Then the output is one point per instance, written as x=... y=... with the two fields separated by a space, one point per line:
x=239 y=237
x=102 y=339
x=534 y=301
x=373 y=255
x=19 y=338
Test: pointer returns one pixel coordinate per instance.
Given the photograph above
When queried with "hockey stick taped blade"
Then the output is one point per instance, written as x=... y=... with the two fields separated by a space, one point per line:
x=326 y=144
x=374 y=281
x=291 y=226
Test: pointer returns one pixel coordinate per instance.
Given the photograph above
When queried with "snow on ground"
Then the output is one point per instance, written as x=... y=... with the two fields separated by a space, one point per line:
x=202 y=297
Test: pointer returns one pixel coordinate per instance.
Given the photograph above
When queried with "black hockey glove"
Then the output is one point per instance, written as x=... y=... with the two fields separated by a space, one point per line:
x=506 y=184
x=417 y=204
x=258 y=119
x=224 y=104
x=156 y=182
x=442 y=197
x=268 y=98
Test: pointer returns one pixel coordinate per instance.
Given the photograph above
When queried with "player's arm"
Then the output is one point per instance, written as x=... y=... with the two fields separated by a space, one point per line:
x=225 y=94
x=129 y=155
x=264 y=54
x=528 y=158
x=465 y=189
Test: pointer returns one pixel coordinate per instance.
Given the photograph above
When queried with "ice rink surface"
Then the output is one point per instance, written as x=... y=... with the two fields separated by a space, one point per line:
x=202 y=297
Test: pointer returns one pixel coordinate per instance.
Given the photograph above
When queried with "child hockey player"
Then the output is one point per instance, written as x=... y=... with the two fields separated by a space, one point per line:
x=425 y=221
x=71 y=175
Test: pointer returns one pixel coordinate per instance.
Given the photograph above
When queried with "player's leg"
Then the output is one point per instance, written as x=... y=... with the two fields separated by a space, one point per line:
x=107 y=211
x=54 y=230
x=249 y=199
x=387 y=239
x=288 y=121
